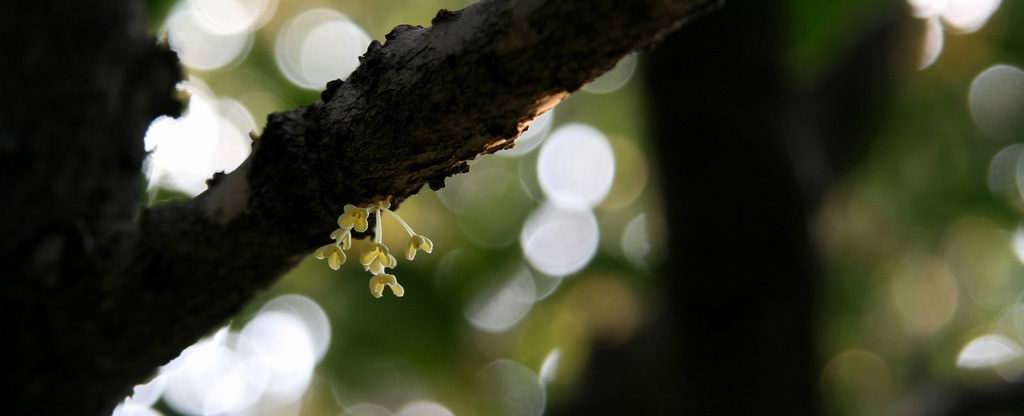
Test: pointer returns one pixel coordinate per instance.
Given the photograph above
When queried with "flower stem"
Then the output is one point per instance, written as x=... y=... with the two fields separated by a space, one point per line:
x=380 y=228
x=408 y=229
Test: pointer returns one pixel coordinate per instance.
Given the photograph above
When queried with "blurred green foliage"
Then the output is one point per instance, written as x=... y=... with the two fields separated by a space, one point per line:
x=914 y=239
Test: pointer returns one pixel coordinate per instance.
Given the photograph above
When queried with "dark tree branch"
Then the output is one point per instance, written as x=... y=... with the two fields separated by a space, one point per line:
x=99 y=303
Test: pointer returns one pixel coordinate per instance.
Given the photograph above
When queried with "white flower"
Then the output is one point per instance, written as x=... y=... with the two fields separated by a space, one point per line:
x=418 y=242
x=376 y=257
x=378 y=282
x=333 y=253
x=343 y=237
x=354 y=218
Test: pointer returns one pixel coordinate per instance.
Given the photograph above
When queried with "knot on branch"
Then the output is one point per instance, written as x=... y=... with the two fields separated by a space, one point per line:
x=371 y=56
x=401 y=29
x=436 y=182
x=443 y=15
x=332 y=87
x=215 y=179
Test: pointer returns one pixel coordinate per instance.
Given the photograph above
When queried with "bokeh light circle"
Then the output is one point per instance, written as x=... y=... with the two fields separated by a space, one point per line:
x=284 y=346
x=232 y=16
x=614 y=79
x=424 y=408
x=503 y=308
x=576 y=166
x=480 y=196
x=211 y=136
x=927 y=8
x=636 y=243
x=312 y=316
x=318 y=46
x=513 y=388
x=366 y=409
x=966 y=16
x=996 y=101
x=559 y=242
x=131 y=409
x=993 y=351
x=931 y=47
x=200 y=48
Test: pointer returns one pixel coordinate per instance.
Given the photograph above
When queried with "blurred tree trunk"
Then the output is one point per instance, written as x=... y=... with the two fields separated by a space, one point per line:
x=744 y=157
x=735 y=333
x=741 y=273
x=81 y=82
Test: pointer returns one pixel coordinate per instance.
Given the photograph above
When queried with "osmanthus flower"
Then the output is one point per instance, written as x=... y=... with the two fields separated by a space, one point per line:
x=418 y=242
x=378 y=282
x=334 y=254
x=376 y=258
x=354 y=218
x=342 y=236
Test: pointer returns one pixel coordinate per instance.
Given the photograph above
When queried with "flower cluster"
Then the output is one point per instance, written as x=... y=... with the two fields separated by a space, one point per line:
x=376 y=258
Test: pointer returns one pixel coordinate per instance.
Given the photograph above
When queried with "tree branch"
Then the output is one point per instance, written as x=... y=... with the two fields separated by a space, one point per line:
x=418 y=108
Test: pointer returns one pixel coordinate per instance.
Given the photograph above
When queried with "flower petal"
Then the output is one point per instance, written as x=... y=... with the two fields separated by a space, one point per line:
x=336 y=259
x=322 y=252
x=354 y=218
x=418 y=242
x=369 y=254
x=376 y=268
x=426 y=245
x=346 y=240
x=346 y=221
x=376 y=288
x=410 y=252
x=397 y=289
x=377 y=284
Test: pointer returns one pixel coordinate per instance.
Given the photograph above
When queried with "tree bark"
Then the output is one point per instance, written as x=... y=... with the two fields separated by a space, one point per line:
x=99 y=294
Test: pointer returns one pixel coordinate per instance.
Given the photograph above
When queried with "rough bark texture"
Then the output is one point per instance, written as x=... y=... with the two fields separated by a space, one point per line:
x=99 y=295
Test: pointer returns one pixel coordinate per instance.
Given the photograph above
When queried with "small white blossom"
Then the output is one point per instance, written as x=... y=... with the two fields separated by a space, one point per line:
x=354 y=218
x=343 y=236
x=333 y=253
x=378 y=282
x=376 y=258
x=418 y=242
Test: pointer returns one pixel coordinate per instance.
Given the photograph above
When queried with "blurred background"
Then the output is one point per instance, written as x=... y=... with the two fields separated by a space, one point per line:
x=545 y=251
